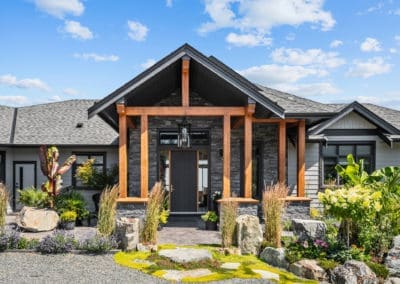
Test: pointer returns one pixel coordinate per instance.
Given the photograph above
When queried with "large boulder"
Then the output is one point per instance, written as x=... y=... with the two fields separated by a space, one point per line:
x=392 y=260
x=275 y=257
x=353 y=272
x=128 y=232
x=308 y=268
x=309 y=229
x=184 y=255
x=249 y=235
x=37 y=220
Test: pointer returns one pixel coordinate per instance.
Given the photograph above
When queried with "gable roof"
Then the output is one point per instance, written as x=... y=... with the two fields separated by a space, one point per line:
x=56 y=123
x=383 y=124
x=6 y=126
x=210 y=63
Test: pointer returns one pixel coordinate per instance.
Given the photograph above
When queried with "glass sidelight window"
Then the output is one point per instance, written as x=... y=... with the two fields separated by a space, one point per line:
x=202 y=179
x=164 y=168
x=2 y=167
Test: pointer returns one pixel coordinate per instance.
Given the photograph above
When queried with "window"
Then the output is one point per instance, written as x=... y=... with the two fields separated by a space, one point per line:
x=2 y=167
x=336 y=153
x=81 y=158
x=197 y=137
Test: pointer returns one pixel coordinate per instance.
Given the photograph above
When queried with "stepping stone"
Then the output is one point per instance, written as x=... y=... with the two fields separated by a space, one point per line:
x=184 y=255
x=177 y=275
x=143 y=261
x=230 y=265
x=266 y=274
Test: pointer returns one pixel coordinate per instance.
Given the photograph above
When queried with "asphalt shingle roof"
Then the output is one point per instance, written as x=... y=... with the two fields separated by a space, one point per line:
x=6 y=123
x=56 y=123
x=392 y=116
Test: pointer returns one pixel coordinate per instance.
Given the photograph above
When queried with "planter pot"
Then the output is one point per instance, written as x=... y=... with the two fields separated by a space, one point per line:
x=67 y=225
x=211 y=226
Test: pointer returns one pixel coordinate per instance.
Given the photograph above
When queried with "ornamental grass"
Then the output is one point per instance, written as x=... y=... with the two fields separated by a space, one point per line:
x=273 y=202
x=229 y=214
x=3 y=205
x=107 y=210
x=153 y=213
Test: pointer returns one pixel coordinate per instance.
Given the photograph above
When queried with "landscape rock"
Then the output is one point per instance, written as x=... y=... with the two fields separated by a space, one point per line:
x=392 y=280
x=184 y=255
x=249 y=235
x=128 y=231
x=146 y=247
x=230 y=265
x=275 y=257
x=392 y=260
x=353 y=271
x=266 y=274
x=309 y=229
x=308 y=268
x=37 y=220
x=177 y=275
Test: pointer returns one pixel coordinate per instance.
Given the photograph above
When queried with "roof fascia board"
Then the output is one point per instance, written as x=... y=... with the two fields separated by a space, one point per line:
x=317 y=129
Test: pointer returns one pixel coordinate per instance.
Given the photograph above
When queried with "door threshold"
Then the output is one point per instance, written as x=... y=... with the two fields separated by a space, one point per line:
x=187 y=213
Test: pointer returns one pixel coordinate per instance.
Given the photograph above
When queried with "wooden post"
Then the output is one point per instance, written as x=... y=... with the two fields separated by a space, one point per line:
x=301 y=149
x=226 y=189
x=144 y=156
x=248 y=152
x=123 y=163
x=185 y=81
x=282 y=152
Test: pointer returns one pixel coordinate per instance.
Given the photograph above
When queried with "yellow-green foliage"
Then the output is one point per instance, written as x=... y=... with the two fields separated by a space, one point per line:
x=153 y=214
x=247 y=263
x=107 y=210
x=273 y=202
x=3 y=205
x=68 y=216
x=229 y=214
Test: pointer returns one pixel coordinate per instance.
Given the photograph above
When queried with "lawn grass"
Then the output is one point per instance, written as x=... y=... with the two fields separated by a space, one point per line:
x=158 y=264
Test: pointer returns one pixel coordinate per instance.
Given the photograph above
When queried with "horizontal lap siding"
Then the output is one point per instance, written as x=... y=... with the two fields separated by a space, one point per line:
x=312 y=172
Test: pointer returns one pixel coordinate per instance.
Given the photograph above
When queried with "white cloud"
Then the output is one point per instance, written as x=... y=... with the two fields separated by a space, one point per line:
x=250 y=40
x=371 y=67
x=97 y=57
x=70 y=92
x=148 y=63
x=168 y=3
x=371 y=9
x=335 y=43
x=274 y=74
x=263 y=15
x=28 y=83
x=397 y=39
x=390 y=99
x=313 y=89
x=370 y=44
x=290 y=37
x=137 y=31
x=60 y=8
x=397 y=12
x=14 y=100
x=76 y=30
x=315 y=57
x=55 y=98
x=393 y=50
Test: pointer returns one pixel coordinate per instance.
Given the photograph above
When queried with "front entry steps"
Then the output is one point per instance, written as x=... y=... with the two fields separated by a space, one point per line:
x=185 y=219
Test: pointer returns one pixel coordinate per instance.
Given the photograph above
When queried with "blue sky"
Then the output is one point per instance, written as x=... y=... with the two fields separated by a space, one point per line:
x=329 y=51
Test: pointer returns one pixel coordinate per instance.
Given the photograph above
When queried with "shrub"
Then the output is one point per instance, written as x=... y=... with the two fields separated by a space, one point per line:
x=306 y=249
x=34 y=197
x=68 y=216
x=98 y=244
x=273 y=202
x=107 y=210
x=59 y=242
x=94 y=178
x=210 y=216
x=3 y=205
x=25 y=243
x=380 y=270
x=72 y=200
x=153 y=213
x=3 y=241
x=229 y=214
x=328 y=264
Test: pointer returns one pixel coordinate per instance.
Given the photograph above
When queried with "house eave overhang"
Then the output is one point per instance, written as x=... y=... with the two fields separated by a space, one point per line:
x=214 y=66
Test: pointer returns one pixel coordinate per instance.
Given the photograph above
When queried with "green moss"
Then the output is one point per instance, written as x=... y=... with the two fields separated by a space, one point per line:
x=245 y=270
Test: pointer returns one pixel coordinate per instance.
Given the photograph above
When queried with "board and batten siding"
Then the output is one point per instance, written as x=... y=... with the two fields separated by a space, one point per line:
x=352 y=121
x=311 y=173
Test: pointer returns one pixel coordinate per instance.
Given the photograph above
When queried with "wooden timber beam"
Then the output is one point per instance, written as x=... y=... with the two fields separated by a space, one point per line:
x=238 y=123
x=144 y=156
x=122 y=152
x=185 y=111
x=282 y=152
x=274 y=120
x=226 y=188
x=248 y=152
x=185 y=81
x=301 y=149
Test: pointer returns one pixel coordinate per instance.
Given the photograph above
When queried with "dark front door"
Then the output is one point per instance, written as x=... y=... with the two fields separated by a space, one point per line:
x=184 y=181
x=24 y=176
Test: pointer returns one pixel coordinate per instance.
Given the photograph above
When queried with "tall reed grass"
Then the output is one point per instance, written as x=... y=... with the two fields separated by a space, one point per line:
x=229 y=214
x=3 y=205
x=273 y=203
x=108 y=210
x=153 y=213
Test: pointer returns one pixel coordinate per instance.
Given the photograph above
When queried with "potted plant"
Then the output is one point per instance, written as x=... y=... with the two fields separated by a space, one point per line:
x=68 y=219
x=210 y=218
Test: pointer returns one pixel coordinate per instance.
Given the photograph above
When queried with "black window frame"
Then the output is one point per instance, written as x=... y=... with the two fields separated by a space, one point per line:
x=89 y=155
x=354 y=144
x=3 y=167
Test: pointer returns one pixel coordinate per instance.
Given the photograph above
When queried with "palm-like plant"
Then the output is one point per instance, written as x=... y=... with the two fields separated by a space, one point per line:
x=52 y=170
